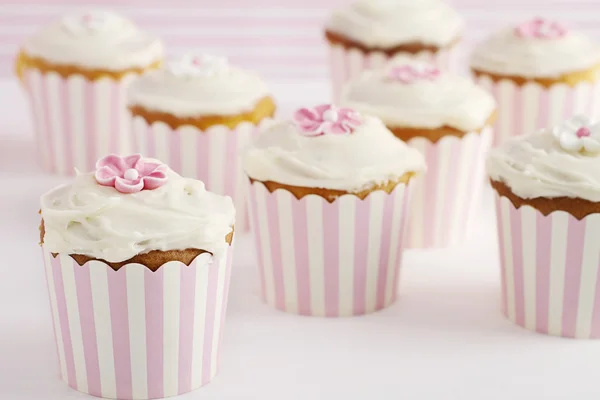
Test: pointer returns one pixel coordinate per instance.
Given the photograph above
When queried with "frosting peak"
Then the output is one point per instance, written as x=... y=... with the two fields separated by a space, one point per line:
x=389 y=23
x=368 y=156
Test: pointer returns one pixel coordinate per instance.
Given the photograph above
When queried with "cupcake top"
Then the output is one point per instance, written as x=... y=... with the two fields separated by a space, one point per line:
x=560 y=162
x=95 y=40
x=538 y=48
x=330 y=148
x=198 y=84
x=390 y=23
x=132 y=205
x=416 y=94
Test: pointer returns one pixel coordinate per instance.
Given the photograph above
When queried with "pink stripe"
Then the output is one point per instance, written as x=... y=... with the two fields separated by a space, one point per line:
x=456 y=147
x=174 y=143
x=225 y=303
x=430 y=193
x=186 y=325
x=595 y=331
x=63 y=317
x=67 y=125
x=403 y=229
x=135 y=143
x=569 y=109
x=517 y=246
x=361 y=251
x=151 y=141
x=275 y=243
x=517 y=107
x=54 y=322
x=211 y=306
x=115 y=121
x=301 y=250
x=153 y=288
x=542 y=273
x=500 y=230
x=384 y=250
x=203 y=158
x=89 y=107
x=252 y=193
x=88 y=327
x=46 y=124
x=575 y=242
x=331 y=235
x=117 y=293
x=544 y=110
x=231 y=165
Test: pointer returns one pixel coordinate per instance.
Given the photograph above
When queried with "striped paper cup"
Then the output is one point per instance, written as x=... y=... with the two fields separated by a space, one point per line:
x=525 y=109
x=550 y=279
x=212 y=156
x=348 y=63
x=446 y=197
x=134 y=333
x=77 y=121
x=328 y=259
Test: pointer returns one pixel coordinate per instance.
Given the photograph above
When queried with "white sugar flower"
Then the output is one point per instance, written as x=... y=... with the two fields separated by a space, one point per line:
x=198 y=65
x=578 y=134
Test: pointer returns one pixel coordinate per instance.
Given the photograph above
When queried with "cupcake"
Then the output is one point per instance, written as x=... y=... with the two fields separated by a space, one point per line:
x=548 y=203
x=137 y=263
x=368 y=33
x=540 y=73
x=448 y=119
x=328 y=199
x=197 y=113
x=75 y=72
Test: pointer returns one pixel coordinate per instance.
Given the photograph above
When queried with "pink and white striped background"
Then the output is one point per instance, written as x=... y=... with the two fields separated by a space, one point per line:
x=281 y=39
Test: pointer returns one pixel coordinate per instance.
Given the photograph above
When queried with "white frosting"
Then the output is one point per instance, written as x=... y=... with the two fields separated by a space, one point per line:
x=98 y=221
x=537 y=166
x=99 y=39
x=368 y=156
x=505 y=53
x=448 y=100
x=209 y=87
x=389 y=23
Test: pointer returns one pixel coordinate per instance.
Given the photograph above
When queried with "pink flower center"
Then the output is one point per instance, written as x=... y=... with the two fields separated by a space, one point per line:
x=131 y=174
x=197 y=61
x=584 y=131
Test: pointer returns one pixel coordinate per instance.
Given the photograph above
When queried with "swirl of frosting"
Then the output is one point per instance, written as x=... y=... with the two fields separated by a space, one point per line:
x=96 y=39
x=539 y=166
x=389 y=23
x=87 y=218
x=371 y=155
x=510 y=53
x=431 y=102
x=198 y=85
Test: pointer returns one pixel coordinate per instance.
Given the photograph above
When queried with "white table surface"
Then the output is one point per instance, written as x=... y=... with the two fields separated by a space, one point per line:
x=444 y=339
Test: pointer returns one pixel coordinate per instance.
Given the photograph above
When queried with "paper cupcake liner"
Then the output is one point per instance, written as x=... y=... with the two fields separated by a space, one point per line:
x=446 y=197
x=550 y=280
x=77 y=121
x=134 y=333
x=523 y=110
x=212 y=156
x=347 y=64
x=328 y=259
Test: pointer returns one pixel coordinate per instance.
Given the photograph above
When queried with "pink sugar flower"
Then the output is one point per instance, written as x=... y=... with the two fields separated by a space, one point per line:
x=540 y=28
x=130 y=174
x=411 y=73
x=326 y=119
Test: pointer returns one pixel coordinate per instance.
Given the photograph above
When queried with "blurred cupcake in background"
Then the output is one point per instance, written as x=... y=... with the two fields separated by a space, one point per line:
x=328 y=199
x=548 y=209
x=367 y=33
x=196 y=114
x=75 y=72
x=540 y=73
x=448 y=119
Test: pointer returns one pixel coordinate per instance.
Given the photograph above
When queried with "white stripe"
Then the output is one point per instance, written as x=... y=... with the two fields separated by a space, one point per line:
x=288 y=260
x=509 y=279
x=171 y=306
x=41 y=133
x=55 y=105
x=376 y=200
x=55 y=318
x=136 y=310
x=417 y=208
x=260 y=193
x=140 y=130
x=595 y=106
x=124 y=135
x=102 y=322
x=528 y=227
x=558 y=254
x=378 y=59
x=103 y=102
x=243 y=136
x=79 y=135
x=557 y=98
x=356 y=60
x=316 y=253
x=581 y=98
x=397 y=229
x=442 y=149
x=464 y=186
x=531 y=103
x=506 y=93
x=162 y=135
x=189 y=151
x=217 y=158
x=347 y=210
x=218 y=315
x=589 y=276
x=337 y=72
x=199 y=324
